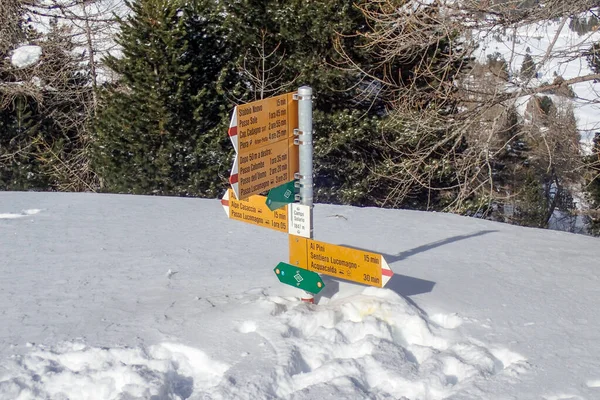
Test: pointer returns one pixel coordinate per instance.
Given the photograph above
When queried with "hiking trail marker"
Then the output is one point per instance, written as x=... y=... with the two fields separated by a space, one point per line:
x=281 y=195
x=262 y=133
x=338 y=261
x=299 y=278
x=300 y=220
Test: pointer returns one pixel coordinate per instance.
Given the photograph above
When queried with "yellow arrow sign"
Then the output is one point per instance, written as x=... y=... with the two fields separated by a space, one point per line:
x=266 y=121
x=339 y=261
x=265 y=168
x=255 y=211
x=262 y=133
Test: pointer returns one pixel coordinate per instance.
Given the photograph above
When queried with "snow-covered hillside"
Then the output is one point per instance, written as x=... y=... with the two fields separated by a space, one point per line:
x=133 y=297
x=556 y=50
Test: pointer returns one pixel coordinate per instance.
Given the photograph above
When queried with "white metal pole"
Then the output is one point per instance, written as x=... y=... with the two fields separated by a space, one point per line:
x=305 y=154
x=305 y=145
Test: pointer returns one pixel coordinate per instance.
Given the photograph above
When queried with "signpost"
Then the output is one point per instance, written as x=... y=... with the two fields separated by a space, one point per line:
x=299 y=277
x=341 y=262
x=305 y=155
x=273 y=141
x=255 y=211
x=262 y=133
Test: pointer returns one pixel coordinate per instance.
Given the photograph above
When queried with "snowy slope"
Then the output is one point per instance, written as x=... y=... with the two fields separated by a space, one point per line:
x=556 y=50
x=133 y=297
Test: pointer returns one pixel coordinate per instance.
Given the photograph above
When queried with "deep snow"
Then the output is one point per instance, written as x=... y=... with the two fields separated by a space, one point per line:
x=125 y=297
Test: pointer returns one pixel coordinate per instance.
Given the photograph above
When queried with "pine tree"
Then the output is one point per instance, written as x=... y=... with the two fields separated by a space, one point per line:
x=160 y=128
x=43 y=115
x=17 y=172
x=19 y=168
x=414 y=65
x=303 y=41
x=593 y=57
x=593 y=188
x=528 y=67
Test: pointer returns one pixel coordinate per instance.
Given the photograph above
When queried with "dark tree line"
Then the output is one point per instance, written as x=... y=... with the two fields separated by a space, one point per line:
x=44 y=108
x=403 y=115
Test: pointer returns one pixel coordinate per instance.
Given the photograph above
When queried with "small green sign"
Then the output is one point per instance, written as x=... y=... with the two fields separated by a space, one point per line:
x=281 y=195
x=299 y=277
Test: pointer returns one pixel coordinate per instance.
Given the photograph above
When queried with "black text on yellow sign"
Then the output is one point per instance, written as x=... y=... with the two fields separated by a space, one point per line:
x=341 y=262
x=266 y=167
x=254 y=210
x=267 y=155
x=266 y=121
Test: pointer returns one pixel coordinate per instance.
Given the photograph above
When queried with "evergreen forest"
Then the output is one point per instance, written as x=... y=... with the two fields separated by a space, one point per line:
x=136 y=97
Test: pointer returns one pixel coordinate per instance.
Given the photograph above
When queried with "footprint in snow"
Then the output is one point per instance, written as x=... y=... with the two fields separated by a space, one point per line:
x=593 y=383
x=24 y=213
x=247 y=327
x=447 y=321
x=170 y=273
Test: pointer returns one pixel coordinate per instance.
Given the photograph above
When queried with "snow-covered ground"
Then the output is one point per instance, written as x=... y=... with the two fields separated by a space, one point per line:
x=134 y=297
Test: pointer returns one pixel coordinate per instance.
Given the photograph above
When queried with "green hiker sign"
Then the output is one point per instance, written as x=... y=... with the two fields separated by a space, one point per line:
x=281 y=195
x=299 y=277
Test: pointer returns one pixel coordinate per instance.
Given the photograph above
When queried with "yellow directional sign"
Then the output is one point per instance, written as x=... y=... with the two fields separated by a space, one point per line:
x=264 y=168
x=339 y=261
x=266 y=121
x=255 y=211
x=262 y=133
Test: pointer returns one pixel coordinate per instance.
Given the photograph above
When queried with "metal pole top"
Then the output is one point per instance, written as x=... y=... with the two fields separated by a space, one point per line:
x=305 y=91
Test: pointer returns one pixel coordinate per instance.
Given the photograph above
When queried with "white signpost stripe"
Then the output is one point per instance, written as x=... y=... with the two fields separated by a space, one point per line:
x=233 y=178
x=233 y=134
x=386 y=272
x=225 y=202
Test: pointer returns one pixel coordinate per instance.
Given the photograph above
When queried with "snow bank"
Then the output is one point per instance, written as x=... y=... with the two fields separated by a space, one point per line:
x=373 y=344
x=73 y=370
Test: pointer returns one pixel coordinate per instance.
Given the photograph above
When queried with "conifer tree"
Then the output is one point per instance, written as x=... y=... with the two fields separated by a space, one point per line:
x=19 y=168
x=160 y=127
x=303 y=36
x=42 y=113
x=593 y=188
x=302 y=41
x=16 y=124
x=528 y=67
